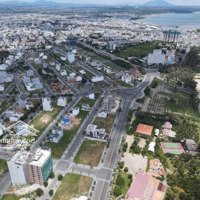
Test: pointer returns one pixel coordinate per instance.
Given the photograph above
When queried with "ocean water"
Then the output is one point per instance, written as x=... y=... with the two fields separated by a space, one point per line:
x=182 y=20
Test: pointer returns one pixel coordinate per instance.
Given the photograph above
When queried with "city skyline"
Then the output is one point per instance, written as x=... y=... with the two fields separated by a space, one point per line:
x=117 y=2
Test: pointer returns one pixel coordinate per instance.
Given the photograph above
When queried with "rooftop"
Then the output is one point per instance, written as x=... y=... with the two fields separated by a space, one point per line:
x=144 y=129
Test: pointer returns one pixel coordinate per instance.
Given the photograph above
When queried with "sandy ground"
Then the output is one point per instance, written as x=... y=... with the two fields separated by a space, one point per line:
x=129 y=140
x=28 y=189
x=45 y=118
x=134 y=162
x=142 y=143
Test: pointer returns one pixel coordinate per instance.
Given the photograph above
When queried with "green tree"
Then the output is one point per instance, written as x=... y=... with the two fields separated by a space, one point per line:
x=39 y=192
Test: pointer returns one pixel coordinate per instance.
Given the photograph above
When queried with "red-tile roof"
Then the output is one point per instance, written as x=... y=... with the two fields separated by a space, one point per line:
x=144 y=129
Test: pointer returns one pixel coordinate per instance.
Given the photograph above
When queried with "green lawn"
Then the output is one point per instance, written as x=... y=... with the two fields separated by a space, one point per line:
x=138 y=50
x=114 y=66
x=90 y=152
x=105 y=123
x=3 y=167
x=30 y=196
x=73 y=186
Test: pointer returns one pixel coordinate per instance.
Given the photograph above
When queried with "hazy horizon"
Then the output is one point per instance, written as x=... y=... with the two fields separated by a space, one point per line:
x=116 y=2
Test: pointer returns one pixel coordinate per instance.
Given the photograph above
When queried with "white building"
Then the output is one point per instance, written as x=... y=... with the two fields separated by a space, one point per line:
x=62 y=101
x=75 y=111
x=157 y=57
x=97 y=78
x=46 y=104
x=70 y=57
x=17 y=166
x=126 y=78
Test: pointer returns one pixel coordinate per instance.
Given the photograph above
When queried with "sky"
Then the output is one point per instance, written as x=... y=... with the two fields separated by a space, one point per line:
x=176 y=2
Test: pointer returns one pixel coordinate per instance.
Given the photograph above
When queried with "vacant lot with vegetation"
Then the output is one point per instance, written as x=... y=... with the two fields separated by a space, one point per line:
x=90 y=152
x=105 y=123
x=41 y=121
x=73 y=186
x=138 y=50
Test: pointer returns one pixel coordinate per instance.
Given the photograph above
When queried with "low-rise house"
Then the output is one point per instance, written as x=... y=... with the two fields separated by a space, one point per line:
x=190 y=146
x=144 y=129
x=85 y=107
x=152 y=146
x=65 y=121
x=75 y=111
x=97 y=78
x=62 y=101
x=102 y=114
x=92 y=131
x=167 y=130
x=56 y=134
x=46 y=104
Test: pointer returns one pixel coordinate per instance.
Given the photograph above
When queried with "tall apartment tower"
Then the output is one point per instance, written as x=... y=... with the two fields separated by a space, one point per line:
x=30 y=168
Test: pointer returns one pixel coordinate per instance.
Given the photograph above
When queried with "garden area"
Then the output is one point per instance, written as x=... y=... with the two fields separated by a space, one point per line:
x=90 y=152
x=73 y=186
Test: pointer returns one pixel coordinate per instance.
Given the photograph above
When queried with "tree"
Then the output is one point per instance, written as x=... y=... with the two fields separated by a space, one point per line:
x=184 y=196
x=121 y=165
x=39 y=192
x=45 y=184
x=117 y=191
x=126 y=169
x=60 y=177
x=52 y=175
x=147 y=91
x=130 y=176
x=51 y=192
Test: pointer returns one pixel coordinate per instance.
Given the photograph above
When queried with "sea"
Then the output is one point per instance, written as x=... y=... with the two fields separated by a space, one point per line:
x=179 y=20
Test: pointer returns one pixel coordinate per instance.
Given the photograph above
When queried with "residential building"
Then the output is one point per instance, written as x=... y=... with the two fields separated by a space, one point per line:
x=62 y=101
x=56 y=134
x=97 y=78
x=46 y=104
x=30 y=168
x=70 y=57
x=16 y=166
x=144 y=129
x=39 y=167
x=92 y=131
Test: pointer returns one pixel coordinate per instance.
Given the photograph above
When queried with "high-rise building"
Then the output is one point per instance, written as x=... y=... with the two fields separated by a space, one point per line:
x=171 y=35
x=16 y=166
x=39 y=167
x=30 y=168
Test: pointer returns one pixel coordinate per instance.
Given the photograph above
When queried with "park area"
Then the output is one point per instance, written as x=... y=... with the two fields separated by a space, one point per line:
x=105 y=123
x=73 y=186
x=90 y=152
x=138 y=50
